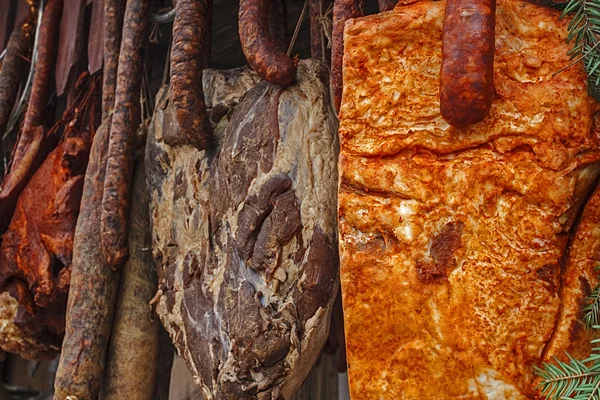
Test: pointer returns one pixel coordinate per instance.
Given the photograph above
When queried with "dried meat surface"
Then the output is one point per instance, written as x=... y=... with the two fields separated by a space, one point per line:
x=452 y=241
x=244 y=235
x=37 y=248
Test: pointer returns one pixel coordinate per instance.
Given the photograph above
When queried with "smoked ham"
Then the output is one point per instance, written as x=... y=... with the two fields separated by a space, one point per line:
x=244 y=233
x=453 y=242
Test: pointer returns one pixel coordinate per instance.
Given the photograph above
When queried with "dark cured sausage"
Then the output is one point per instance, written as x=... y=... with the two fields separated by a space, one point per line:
x=92 y=292
x=259 y=47
x=40 y=91
x=189 y=28
x=94 y=284
x=112 y=41
x=343 y=10
x=467 y=74
x=131 y=361
x=12 y=67
x=125 y=122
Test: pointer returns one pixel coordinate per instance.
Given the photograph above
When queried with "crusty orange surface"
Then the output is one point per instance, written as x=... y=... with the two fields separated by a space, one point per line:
x=452 y=241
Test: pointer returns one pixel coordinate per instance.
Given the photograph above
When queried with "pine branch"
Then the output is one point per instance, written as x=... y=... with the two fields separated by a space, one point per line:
x=577 y=380
x=567 y=380
x=591 y=311
x=584 y=30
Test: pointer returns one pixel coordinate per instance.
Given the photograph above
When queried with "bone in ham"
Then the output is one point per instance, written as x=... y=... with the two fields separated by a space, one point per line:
x=251 y=227
x=452 y=241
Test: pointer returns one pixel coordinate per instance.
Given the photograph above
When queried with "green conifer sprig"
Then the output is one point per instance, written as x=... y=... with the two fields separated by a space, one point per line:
x=591 y=312
x=584 y=30
x=576 y=379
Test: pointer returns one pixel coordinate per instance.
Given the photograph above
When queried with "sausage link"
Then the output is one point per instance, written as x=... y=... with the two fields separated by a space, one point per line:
x=131 y=361
x=467 y=74
x=13 y=66
x=259 y=47
x=92 y=292
x=343 y=10
x=112 y=40
x=187 y=55
x=125 y=122
x=40 y=90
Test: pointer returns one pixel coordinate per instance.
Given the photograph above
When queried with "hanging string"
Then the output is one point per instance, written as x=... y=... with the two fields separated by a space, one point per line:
x=298 y=24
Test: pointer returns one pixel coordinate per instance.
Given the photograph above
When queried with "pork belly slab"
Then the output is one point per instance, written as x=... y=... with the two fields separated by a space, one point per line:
x=455 y=243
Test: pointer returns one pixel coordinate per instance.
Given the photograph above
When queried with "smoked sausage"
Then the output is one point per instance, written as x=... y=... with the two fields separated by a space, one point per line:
x=467 y=74
x=125 y=122
x=187 y=54
x=260 y=48
x=343 y=10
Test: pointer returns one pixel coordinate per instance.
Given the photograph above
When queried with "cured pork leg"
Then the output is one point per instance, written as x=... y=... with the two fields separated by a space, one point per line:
x=244 y=234
x=453 y=242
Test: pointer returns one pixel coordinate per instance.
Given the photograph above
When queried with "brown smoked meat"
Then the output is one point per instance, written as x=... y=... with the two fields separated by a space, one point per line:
x=125 y=122
x=262 y=51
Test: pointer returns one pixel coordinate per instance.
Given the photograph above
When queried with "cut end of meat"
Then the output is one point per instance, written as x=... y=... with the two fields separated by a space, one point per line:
x=22 y=335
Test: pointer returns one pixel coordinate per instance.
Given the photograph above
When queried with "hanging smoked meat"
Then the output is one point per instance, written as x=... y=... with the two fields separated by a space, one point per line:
x=462 y=262
x=244 y=233
x=37 y=248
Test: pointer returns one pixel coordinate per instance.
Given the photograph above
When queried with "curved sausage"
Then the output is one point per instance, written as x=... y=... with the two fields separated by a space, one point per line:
x=467 y=74
x=187 y=54
x=343 y=10
x=132 y=355
x=125 y=122
x=40 y=91
x=259 y=47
